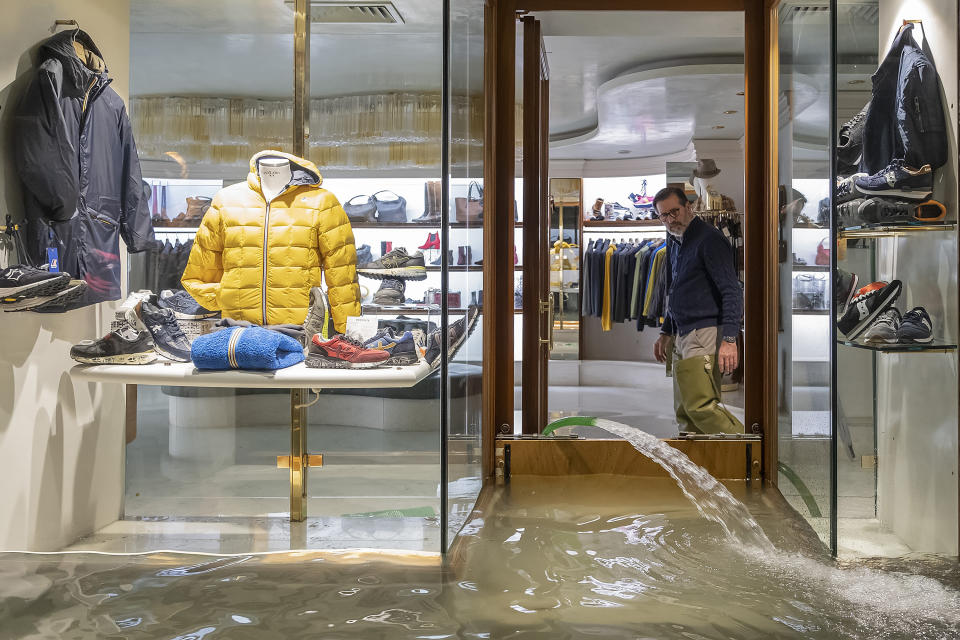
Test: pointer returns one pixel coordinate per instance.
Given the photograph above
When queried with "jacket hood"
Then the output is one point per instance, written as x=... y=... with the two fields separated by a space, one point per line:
x=305 y=173
x=79 y=57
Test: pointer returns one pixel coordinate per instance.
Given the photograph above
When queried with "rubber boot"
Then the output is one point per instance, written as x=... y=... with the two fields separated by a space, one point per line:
x=696 y=380
x=683 y=420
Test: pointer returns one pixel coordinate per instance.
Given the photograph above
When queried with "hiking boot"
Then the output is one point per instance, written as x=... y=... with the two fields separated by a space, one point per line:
x=396 y=264
x=317 y=321
x=341 y=352
x=865 y=307
x=21 y=281
x=916 y=326
x=391 y=291
x=404 y=349
x=898 y=180
x=885 y=328
x=168 y=338
x=124 y=346
x=183 y=306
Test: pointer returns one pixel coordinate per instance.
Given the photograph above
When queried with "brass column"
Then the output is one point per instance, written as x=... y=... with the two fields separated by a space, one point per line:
x=301 y=77
x=299 y=462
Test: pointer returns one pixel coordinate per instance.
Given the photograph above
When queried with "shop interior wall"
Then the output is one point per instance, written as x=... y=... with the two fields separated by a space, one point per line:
x=917 y=409
x=61 y=443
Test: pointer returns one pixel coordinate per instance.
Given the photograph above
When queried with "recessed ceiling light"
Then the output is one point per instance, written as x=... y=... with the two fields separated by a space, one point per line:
x=857 y=82
x=624 y=151
x=718 y=126
x=730 y=112
x=741 y=93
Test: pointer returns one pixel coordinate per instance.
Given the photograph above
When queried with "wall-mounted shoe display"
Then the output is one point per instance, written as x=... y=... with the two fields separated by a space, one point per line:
x=397 y=264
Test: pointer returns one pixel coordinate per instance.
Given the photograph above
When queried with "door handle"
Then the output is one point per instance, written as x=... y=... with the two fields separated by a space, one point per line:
x=547 y=305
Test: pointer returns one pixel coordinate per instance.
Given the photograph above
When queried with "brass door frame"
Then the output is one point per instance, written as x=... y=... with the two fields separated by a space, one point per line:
x=760 y=201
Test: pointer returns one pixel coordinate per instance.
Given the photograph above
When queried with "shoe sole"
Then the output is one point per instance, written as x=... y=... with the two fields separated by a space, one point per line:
x=401 y=273
x=179 y=315
x=323 y=362
x=168 y=355
x=402 y=360
x=124 y=358
x=66 y=296
x=853 y=290
x=860 y=327
x=908 y=340
x=898 y=193
x=47 y=287
x=891 y=339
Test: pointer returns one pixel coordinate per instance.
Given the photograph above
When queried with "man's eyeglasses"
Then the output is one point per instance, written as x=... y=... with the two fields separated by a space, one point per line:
x=673 y=213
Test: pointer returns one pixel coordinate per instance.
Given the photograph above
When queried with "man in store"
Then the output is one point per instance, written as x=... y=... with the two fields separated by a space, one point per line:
x=704 y=311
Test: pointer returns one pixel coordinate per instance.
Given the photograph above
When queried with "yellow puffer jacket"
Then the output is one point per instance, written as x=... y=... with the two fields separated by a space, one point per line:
x=257 y=261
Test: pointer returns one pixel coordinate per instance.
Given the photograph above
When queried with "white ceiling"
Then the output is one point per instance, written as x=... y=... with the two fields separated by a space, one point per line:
x=644 y=82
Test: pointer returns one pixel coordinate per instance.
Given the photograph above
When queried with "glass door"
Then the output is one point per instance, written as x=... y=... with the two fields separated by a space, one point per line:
x=565 y=204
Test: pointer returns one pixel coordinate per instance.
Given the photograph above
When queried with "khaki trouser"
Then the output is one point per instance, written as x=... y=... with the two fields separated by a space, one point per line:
x=696 y=384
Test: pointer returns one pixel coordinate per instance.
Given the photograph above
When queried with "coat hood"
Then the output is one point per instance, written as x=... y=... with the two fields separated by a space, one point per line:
x=305 y=173
x=79 y=57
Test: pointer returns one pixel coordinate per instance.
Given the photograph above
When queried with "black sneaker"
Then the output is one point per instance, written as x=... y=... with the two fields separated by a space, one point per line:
x=885 y=211
x=864 y=308
x=57 y=303
x=20 y=280
x=318 y=316
x=391 y=291
x=845 y=284
x=124 y=346
x=916 y=326
x=849 y=213
x=396 y=264
x=850 y=142
x=168 y=338
x=457 y=333
x=898 y=180
x=184 y=306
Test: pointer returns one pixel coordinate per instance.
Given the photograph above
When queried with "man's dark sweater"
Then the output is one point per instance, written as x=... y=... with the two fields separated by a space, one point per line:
x=703 y=287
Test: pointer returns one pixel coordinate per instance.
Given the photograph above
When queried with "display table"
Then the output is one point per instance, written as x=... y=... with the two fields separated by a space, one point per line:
x=298 y=378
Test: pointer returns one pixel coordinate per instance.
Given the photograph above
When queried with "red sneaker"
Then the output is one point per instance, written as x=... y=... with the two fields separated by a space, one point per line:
x=341 y=352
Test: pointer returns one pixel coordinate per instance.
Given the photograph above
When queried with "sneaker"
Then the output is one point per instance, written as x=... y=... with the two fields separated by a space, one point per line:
x=404 y=349
x=184 y=306
x=849 y=213
x=20 y=280
x=168 y=338
x=884 y=211
x=847 y=189
x=364 y=255
x=864 y=308
x=56 y=303
x=391 y=291
x=341 y=352
x=850 y=141
x=397 y=264
x=402 y=324
x=124 y=346
x=457 y=333
x=318 y=317
x=929 y=211
x=915 y=327
x=885 y=328
x=898 y=180
x=845 y=284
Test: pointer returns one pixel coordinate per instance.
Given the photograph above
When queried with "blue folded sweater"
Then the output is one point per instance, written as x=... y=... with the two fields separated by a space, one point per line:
x=245 y=348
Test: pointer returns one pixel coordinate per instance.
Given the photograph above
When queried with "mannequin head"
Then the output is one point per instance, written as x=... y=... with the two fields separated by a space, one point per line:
x=275 y=175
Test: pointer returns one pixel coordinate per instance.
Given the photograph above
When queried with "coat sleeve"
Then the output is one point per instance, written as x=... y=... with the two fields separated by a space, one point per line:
x=136 y=227
x=201 y=277
x=46 y=157
x=339 y=255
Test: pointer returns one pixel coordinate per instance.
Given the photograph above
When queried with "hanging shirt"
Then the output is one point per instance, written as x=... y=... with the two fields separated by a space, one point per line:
x=605 y=321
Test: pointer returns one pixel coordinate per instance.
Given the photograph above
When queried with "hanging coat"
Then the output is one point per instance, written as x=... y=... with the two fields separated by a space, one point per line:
x=77 y=162
x=256 y=260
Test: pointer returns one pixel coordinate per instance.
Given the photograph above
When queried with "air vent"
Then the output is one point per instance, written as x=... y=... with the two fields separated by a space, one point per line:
x=352 y=12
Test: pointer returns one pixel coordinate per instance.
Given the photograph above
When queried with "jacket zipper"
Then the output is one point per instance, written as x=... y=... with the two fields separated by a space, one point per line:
x=86 y=96
x=263 y=285
x=916 y=106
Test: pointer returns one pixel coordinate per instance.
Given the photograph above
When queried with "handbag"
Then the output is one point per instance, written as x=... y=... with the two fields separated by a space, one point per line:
x=390 y=211
x=470 y=209
x=365 y=211
x=823 y=252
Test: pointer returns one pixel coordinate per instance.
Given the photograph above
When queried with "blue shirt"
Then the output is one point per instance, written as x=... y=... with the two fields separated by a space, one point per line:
x=703 y=289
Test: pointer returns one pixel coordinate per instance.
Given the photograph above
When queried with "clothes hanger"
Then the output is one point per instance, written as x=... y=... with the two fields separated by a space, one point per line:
x=74 y=23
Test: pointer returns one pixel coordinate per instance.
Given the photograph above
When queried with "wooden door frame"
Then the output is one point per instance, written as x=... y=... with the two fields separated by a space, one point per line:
x=760 y=223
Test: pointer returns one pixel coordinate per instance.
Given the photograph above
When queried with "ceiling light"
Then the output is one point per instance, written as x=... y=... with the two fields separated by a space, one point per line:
x=352 y=12
x=730 y=112
x=741 y=93
x=857 y=82
x=718 y=126
x=623 y=151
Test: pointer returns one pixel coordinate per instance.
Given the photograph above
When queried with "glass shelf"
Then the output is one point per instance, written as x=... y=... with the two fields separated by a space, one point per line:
x=622 y=224
x=894 y=230
x=811 y=267
x=933 y=347
x=811 y=312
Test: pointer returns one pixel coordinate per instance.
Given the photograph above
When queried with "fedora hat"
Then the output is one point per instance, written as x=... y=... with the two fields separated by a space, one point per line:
x=706 y=168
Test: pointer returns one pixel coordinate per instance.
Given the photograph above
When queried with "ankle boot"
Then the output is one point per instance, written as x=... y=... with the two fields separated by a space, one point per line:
x=473 y=298
x=461 y=256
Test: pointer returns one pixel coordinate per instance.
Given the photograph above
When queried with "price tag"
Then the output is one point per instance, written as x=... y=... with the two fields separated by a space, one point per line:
x=361 y=328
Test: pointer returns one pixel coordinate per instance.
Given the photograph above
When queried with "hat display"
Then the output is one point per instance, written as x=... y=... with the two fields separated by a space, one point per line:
x=706 y=168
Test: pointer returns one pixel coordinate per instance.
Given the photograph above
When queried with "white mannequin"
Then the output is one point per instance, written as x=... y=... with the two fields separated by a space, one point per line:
x=275 y=175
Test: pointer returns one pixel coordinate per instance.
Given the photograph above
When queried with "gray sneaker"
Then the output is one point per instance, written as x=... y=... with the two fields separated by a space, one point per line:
x=886 y=328
x=391 y=291
x=318 y=316
x=396 y=264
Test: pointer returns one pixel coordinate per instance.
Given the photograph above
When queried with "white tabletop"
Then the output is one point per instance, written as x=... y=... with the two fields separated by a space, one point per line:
x=299 y=376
